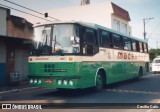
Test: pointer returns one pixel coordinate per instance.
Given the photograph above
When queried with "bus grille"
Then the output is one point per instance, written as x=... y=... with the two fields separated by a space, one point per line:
x=51 y=68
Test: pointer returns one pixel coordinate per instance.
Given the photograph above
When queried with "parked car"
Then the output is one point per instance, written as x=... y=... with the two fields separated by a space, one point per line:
x=156 y=65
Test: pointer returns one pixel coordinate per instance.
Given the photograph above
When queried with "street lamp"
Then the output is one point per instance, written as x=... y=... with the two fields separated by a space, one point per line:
x=145 y=21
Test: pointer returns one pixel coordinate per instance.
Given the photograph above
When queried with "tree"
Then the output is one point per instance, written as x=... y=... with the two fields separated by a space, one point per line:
x=153 y=53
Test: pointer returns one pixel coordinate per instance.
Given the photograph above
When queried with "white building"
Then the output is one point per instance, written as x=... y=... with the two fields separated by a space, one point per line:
x=106 y=14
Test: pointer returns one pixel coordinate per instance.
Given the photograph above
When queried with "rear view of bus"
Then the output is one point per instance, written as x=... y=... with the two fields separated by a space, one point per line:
x=156 y=65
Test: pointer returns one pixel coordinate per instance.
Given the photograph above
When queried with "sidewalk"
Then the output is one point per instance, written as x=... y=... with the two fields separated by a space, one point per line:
x=14 y=87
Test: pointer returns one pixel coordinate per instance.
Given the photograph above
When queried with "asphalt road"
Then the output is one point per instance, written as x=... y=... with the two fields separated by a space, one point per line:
x=146 y=90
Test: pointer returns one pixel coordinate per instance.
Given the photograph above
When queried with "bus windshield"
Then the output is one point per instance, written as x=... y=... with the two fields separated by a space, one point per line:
x=42 y=35
x=61 y=38
x=65 y=38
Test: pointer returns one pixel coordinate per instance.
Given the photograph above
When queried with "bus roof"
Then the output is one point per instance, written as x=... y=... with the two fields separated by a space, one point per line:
x=91 y=25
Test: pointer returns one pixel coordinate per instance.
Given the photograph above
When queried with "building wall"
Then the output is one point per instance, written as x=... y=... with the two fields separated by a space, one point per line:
x=2 y=61
x=14 y=33
x=102 y=14
x=3 y=16
x=21 y=63
x=17 y=58
x=92 y=13
x=129 y=30
x=18 y=31
x=99 y=13
x=121 y=22
x=2 y=51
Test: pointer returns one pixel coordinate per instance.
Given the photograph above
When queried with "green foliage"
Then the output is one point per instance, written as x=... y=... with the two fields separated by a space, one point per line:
x=153 y=53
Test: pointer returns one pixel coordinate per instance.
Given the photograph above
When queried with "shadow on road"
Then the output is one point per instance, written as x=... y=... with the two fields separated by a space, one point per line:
x=70 y=93
x=64 y=93
x=122 y=83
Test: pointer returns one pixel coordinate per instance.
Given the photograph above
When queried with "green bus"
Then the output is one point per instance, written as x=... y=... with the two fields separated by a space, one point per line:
x=77 y=55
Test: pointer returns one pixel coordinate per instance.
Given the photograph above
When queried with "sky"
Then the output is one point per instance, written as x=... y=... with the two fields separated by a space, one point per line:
x=138 y=10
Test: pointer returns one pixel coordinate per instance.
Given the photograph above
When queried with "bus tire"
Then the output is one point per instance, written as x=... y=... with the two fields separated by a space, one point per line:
x=99 y=82
x=140 y=74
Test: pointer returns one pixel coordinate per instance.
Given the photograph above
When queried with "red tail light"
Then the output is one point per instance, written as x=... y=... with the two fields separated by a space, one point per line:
x=49 y=81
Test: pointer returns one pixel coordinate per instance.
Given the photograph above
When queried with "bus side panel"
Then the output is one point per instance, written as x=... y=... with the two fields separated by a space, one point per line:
x=120 y=71
x=88 y=72
x=115 y=71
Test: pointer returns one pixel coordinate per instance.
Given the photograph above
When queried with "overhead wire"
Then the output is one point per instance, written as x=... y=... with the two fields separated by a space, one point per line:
x=24 y=12
x=30 y=9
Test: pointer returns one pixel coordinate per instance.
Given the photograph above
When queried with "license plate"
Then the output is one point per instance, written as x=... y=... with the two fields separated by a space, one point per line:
x=49 y=81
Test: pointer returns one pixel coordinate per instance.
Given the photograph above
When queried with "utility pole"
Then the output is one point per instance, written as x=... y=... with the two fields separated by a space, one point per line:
x=145 y=21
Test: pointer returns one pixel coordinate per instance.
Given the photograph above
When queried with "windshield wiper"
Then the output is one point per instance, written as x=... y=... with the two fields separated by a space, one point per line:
x=56 y=42
x=44 y=49
x=59 y=50
x=46 y=40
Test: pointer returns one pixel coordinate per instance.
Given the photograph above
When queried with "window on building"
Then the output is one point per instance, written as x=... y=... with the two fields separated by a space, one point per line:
x=145 y=47
x=124 y=28
x=116 y=25
x=117 y=41
x=105 y=39
x=127 y=43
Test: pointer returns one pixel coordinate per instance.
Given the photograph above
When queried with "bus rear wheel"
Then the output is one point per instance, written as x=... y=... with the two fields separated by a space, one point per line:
x=99 y=82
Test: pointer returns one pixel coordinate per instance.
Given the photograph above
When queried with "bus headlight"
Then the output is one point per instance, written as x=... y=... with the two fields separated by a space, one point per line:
x=39 y=81
x=35 y=81
x=65 y=82
x=71 y=82
x=31 y=80
x=59 y=82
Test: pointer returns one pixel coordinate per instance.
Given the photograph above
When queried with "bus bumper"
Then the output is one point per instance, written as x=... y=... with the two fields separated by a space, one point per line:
x=74 y=82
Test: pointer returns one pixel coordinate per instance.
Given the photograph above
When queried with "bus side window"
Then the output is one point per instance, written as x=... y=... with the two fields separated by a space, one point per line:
x=117 y=41
x=141 y=46
x=105 y=39
x=90 y=42
x=89 y=37
x=134 y=47
x=99 y=37
x=127 y=43
x=137 y=46
x=145 y=47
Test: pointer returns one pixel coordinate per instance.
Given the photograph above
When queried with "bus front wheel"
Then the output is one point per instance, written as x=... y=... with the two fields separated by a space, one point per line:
x=99 y=82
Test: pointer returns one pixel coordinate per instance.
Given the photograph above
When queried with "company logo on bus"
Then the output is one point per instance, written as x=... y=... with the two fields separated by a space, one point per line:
x=129 y=56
